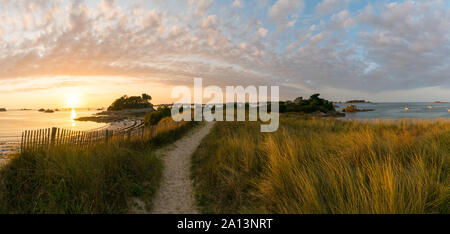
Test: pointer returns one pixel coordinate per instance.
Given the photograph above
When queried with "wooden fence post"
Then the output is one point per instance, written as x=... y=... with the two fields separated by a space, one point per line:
x=21 y=143
x=106 y=135
x=52 y=140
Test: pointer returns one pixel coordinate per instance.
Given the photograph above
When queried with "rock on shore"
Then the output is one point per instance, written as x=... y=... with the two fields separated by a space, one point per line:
x=352 y=108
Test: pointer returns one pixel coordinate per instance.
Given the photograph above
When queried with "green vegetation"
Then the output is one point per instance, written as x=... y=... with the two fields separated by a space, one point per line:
x=101 y=179
x=67 y=180
x=299 y=105
x=313 y=165
x=133 y=102
x=313 y=104
x=153 y=117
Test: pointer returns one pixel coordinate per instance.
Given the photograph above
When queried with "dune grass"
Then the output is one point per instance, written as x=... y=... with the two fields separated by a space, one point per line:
x=101 y=179
x=325 y=166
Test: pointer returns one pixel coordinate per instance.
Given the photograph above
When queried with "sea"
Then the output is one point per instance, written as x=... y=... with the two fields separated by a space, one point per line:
x=14 y=122
x=398 y=110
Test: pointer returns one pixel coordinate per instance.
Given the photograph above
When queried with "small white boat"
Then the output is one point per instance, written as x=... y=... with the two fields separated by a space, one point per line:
x=406 y=108
x=430 y=107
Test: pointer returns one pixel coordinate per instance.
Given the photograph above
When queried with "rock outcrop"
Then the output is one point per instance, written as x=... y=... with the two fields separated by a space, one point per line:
x=352 y=108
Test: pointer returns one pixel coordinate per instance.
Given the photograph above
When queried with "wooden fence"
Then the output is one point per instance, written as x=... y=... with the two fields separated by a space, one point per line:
x=46 y=138
x=50 y=137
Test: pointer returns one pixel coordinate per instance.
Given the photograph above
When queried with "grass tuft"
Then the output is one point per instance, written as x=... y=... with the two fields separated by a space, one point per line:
x=325 y=166
x=99 y=180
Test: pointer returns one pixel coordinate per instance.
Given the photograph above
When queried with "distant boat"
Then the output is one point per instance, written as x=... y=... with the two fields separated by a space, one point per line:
x=2 y=109
x=49 y=111
x=406 y=108
x=430 y=107
x=41 y=110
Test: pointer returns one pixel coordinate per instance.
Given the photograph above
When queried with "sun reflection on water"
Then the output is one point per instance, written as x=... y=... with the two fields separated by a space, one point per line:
x=73 y=116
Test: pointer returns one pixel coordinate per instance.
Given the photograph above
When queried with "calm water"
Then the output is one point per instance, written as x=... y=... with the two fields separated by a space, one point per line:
x=14 y=122
x=397 y=110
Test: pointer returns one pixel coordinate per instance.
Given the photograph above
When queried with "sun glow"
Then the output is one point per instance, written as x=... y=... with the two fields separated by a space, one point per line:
x=73 y=100
x=73 y=116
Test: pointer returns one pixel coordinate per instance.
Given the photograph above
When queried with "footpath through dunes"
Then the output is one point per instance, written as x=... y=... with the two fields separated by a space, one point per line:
x=175 y=194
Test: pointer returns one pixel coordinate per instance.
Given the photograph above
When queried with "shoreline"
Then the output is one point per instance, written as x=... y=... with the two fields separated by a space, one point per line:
x=115 y=116
x=10 y=147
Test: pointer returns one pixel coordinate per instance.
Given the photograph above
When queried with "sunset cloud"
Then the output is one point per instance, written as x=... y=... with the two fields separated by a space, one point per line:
x=339 y=45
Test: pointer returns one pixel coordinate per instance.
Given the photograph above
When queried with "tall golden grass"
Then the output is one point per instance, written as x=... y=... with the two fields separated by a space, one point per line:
x=100 y=179
x=325 y=166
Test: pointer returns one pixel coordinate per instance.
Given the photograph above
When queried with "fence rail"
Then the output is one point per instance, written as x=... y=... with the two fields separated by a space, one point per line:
x=51 y=137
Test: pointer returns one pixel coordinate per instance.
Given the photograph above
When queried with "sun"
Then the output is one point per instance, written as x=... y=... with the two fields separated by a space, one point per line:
x=73 y=100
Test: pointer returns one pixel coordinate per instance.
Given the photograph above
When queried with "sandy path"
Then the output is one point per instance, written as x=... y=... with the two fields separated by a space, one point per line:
x=175 y=195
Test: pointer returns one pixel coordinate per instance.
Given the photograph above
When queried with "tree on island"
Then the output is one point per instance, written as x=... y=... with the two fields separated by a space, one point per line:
x=298 y=100
x=132 y=102
x=313 y=104
x=153 y=118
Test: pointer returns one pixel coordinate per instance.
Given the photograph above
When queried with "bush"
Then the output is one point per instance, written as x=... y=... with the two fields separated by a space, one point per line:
x=133 y=102
x=313 y=104
x=153 y=118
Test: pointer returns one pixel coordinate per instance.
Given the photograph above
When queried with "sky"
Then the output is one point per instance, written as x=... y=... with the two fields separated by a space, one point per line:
x=378 y=50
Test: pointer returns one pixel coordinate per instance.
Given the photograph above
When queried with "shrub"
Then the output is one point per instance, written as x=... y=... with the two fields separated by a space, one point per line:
x=133 y=102
x=313 y=104
x=153 y=118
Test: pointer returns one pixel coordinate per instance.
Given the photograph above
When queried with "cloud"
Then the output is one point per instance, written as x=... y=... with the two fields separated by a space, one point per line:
x=282 y=9
x=152 y=20
x=389 y=47
x=262 y=32
x=237 y=3
x=407 y=51
x=291 y=23
x=341 y=20
x=328 y=6
x=201 y=7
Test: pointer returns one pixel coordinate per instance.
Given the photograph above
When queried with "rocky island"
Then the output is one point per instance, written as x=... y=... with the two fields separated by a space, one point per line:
x=125 y=107
x=352 y=108
x=314 y=106
x=357 y=101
